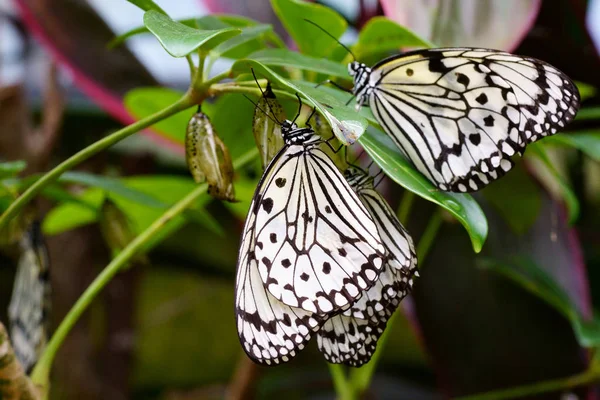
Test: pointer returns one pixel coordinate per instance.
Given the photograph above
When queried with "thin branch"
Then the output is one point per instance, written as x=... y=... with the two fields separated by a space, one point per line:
x=50 y=177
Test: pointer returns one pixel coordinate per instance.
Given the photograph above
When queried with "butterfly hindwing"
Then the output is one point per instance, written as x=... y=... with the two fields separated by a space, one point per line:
x=351 y=337
x=316 y=244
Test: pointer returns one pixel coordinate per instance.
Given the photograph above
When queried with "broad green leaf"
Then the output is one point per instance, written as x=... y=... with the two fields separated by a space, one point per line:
x=310 y=39
x=61 y=196
x=244 y=191
x=292 y=59
x=73 y=215
x=11 y=168
x=517 y=198
x=381 y=35
x=231 y=116
x=347 y=125
x=588 y=113
x=585 y=90
x=143 y=102
x=249 y=34
x=387 y=155
x=113 y=186
x=561 y=186
x=532 y=278
x=147 y=5
x=180 y=40
x=586 y=141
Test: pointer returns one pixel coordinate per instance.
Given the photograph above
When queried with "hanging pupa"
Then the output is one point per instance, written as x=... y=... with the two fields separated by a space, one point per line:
x=265 y=126
x=207 y=157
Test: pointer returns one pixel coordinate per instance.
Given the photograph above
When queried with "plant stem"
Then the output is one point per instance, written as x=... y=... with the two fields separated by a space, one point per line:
x=41 y=372
x=587 y=377
x=361 y=378
x=426 y=241
x=405 y=206
x=51 y=176
x=192 y=66
x=342 y=385
x=233 y=87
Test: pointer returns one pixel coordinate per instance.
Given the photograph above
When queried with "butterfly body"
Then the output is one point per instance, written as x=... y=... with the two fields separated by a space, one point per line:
x=459 y=114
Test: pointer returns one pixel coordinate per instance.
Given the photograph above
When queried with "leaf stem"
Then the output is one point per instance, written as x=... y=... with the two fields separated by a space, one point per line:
x=41 y=372
x=426 y=241
x=342 y=385
x=51 y=176
x=192 y=66
x=587 y=377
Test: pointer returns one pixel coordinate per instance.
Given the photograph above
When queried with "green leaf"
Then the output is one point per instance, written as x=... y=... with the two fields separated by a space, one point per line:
x=347 y=125
x=73 y=215
x=586 y=141
x=231 y=116
x=11 y=168
x=387 y=155
x=561 y=187
x=113 y=186
x=180 y=40
x=310 y=39
x=292 y=59
x=517 y=198
x=381 y=35
x=250 y=34
x=532 y=278
x=588 y=113
x=143 y=102
x=147 y=5
x=585 y=90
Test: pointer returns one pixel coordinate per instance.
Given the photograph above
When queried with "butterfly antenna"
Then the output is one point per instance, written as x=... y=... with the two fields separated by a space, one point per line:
x=299 y=108
x=333 y=37
x=273 y=118
x=264 y=112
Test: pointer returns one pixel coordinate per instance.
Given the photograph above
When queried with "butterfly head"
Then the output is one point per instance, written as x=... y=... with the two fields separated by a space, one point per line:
x=361 y=74
x=294 y=135
x=357 y=178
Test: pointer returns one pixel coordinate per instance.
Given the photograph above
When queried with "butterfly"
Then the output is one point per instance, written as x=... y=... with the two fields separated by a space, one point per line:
x=309 y=249
x=29 y=307
x=351 y=336
x=459 y=114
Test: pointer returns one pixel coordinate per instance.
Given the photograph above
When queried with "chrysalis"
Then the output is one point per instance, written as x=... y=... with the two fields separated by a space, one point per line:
x=29 y=307
x=267 y=132
x=208 y=158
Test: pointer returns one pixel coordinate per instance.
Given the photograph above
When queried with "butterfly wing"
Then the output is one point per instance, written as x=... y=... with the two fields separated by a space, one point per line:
x=270 y=332
x=351 y=337
x=460 y=113
x=316 y=245
x=29 y=306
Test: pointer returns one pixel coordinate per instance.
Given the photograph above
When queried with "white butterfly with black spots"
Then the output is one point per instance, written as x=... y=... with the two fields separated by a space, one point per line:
x=308 y=250
x=351 y=337
x=29 y=308
x=459 y=114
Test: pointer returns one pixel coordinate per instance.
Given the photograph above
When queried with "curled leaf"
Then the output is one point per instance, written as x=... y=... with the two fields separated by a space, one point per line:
x=267 y=132
x=207 y=157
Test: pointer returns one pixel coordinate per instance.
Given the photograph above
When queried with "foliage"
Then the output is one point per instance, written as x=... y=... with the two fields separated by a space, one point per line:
x=157 y=206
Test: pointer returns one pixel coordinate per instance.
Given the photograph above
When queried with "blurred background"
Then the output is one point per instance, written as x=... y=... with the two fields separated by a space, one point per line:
x=165 y=328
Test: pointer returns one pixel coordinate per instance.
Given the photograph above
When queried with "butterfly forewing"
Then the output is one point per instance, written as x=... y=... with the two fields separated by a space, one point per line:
x=459 y=114
x=316 y=244
x=270 y=331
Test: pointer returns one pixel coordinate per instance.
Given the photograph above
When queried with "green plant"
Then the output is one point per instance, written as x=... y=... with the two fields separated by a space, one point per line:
x=254 y=46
